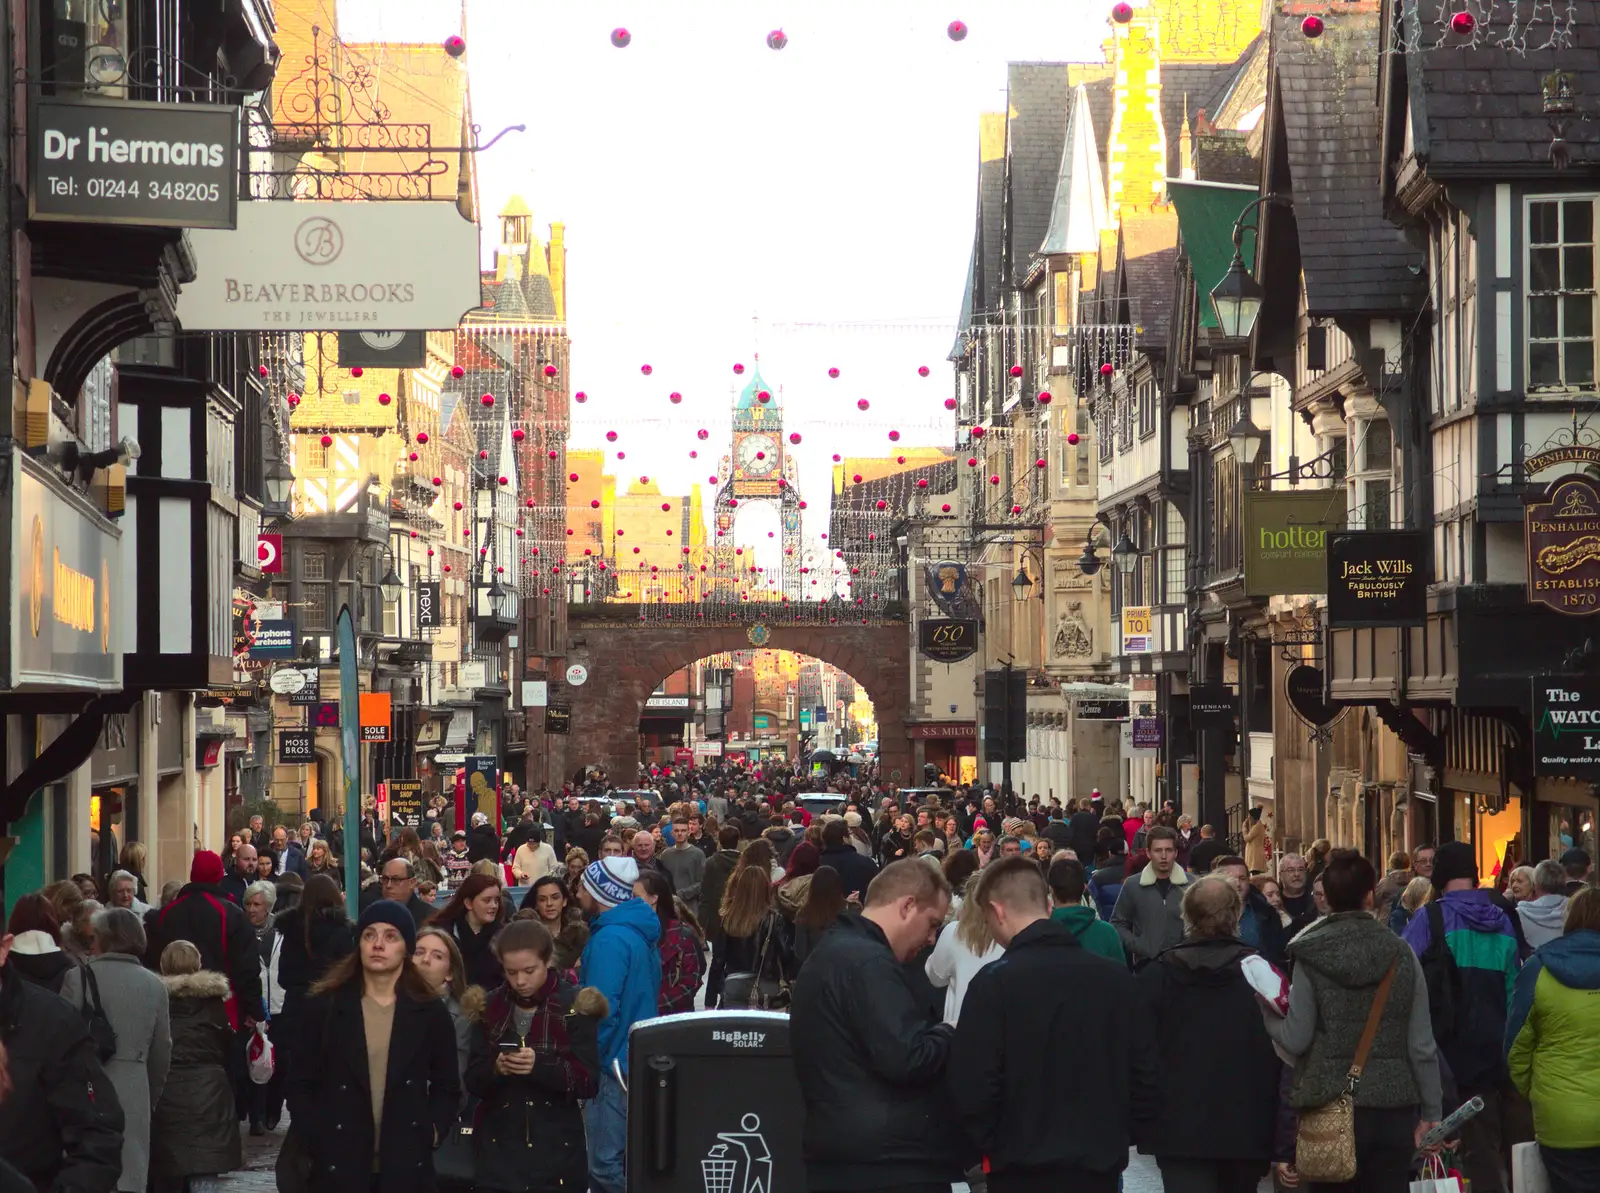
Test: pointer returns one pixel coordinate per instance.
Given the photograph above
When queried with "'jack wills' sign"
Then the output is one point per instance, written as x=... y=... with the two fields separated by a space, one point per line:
x=1377 y=578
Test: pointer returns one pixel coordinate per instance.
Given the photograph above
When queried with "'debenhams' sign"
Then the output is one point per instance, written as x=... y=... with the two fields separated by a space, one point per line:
x=123 y=162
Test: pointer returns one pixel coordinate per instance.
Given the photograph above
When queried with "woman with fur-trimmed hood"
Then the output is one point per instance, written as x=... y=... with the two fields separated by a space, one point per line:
x=535 y=1058
x=194 y=1131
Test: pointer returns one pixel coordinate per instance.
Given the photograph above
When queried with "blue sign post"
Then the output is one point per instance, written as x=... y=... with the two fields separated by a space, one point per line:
x=350 y=749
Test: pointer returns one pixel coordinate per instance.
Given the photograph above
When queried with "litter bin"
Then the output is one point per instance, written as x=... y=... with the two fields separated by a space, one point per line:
x=713 y=1105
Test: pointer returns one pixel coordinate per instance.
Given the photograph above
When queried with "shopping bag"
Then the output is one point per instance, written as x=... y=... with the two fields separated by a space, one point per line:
x=1435 y=1178
x=1527 y=1169
x=260 y=1055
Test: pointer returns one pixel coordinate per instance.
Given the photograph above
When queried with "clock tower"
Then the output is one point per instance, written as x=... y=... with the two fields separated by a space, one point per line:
x=758 y=468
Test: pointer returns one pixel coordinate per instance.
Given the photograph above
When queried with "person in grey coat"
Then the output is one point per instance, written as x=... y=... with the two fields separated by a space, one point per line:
x=135 y=1003
x=1544 y=915
x=1148 y=915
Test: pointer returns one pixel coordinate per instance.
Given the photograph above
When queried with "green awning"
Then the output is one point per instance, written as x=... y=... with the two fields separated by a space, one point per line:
x=1206 y=215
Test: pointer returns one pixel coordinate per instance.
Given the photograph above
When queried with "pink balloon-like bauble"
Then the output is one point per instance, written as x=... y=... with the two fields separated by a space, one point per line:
x=620 y=37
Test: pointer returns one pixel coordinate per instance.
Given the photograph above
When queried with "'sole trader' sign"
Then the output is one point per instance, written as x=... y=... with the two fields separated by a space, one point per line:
x=1563 y=534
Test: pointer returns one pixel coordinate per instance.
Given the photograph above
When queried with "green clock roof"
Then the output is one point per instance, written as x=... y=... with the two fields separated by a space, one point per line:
x=747 y=399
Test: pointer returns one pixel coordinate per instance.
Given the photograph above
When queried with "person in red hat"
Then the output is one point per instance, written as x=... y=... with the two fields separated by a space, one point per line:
x=201 y=914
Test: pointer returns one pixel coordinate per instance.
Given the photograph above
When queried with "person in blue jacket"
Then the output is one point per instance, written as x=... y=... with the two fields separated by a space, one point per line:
x=622 y=963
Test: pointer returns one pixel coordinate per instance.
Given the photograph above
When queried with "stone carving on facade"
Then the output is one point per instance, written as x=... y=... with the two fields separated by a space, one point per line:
x=1074 y=637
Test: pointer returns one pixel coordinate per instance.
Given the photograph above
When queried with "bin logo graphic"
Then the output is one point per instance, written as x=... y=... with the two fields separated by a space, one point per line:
x=741 y=1162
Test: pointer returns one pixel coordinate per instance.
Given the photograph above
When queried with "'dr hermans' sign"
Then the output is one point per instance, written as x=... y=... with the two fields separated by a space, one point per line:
x=122 y=162
x=1566 y=727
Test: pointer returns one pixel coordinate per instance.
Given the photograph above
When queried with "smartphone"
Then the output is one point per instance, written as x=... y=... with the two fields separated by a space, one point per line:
x=510 y=1045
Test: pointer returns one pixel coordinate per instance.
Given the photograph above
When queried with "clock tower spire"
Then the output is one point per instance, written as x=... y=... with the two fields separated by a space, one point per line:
x=758 y=469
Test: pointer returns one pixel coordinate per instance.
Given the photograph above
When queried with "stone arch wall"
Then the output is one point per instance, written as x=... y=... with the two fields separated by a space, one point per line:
x=627 y=660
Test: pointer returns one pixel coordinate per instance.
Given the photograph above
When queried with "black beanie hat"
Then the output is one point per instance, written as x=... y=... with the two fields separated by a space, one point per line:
x=1453 y=860
x=387 y=911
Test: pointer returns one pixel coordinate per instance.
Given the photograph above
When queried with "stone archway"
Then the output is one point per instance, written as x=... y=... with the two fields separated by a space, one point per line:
x=627 y=661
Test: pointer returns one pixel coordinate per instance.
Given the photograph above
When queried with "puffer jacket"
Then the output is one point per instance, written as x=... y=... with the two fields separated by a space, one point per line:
x=1553 y=1040
x=621 y=961
x=193 y=1131
x=871 y=1072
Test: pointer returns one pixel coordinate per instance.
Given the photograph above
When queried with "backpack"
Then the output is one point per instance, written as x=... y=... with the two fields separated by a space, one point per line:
x=1443 y=978
x=94 y=1015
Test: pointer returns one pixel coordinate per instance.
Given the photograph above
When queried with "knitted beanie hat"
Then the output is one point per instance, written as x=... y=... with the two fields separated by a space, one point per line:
x=610 y=880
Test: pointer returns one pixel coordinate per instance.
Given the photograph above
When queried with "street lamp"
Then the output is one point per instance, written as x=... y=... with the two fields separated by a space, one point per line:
x=1246 y=438
x=1088 y=562
x=391 y=584
x=1021 y=585
x=499 y=599
x=1125 y=555
x=280 y=483
x=1237 y=299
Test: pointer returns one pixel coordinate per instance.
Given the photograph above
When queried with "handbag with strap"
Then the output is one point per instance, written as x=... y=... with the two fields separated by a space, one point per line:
x=1325 y=1140
x=95 y=1017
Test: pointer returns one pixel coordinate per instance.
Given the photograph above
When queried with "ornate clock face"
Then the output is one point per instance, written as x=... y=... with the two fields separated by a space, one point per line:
x=758 y=454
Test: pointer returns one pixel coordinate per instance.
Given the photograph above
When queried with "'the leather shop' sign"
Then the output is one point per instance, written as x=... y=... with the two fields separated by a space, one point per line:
x=1563 y=535
x=948 y=639
x=1377 y=578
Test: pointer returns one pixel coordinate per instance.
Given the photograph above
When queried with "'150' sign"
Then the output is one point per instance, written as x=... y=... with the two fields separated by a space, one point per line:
x=948 y=639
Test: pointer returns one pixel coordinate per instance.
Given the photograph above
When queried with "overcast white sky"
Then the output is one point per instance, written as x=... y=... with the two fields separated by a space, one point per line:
x=705 y=180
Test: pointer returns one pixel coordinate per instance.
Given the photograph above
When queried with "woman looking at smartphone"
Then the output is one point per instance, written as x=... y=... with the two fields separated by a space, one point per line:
x=534 y=1058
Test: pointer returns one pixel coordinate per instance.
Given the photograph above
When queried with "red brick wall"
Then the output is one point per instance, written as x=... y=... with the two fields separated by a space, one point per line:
x=626 y=662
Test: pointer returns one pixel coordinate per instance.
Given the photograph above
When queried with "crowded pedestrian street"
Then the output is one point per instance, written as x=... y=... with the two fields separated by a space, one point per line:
x=829 y=597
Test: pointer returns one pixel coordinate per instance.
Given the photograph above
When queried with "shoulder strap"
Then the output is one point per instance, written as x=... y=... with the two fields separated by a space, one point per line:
x=91 y=993
x=1435 y=915
x=1370 y=1031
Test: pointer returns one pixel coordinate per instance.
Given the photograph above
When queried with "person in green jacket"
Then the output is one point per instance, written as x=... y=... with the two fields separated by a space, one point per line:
x=1068 y=880
x=1553 y=1046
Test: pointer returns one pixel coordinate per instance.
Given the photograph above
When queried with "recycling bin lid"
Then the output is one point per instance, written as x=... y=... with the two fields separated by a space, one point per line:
x=712 y=1033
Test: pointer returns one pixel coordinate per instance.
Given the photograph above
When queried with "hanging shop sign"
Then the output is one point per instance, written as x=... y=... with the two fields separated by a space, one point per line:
x=1377 y=578
x=947 y=583
x=383 y=349
x=1211 y=706
x=1147 y=733
x=1102 y=710
x=286 y=681
x=311 y=691
x=125 y=162
x=334 y=266
x=1303 y=687
x=1566 y=727
x=376 y=711
x=274 y=639
x=558 y=718
x=269 y=554
x=1572 y=453
x=948 y=639
x=325 y=714
x=1137 y=630
x=1563 y=536
x=296 y=746
x=405 y=802
x=65 y=561
x=1284 y=538
x=429 y=608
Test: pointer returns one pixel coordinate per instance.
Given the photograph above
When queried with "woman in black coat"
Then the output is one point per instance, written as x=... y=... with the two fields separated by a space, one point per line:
x=193 y=1129
x=330 y=1101
x=1204 y=1022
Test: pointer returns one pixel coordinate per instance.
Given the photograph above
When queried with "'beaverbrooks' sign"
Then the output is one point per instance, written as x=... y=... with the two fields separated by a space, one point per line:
x=1563 y=534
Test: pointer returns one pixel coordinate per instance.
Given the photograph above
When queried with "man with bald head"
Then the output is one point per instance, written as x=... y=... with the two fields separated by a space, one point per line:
x=243 y=874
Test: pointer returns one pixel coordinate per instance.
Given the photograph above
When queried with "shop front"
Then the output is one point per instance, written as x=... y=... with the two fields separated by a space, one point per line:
x=663 y=728
x=951 y=747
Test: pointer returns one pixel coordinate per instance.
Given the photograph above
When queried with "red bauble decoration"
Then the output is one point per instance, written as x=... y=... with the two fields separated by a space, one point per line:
x=777 y=39
x=611 y=436
x=437 y=481
x=458 y=505
x=1044 y=397
x=413 y=457
x=620 y=38
x=922 y=482
x=674 y=397
x=355 y=371
x=702 y=434
x=737 y=368
x=894 y=436
x=1107 y=369
x=945 y=508
x=834 y=373
x=863 y=404
x=899 y=459
x=1072 y=437
x=949 y=403
x=447 y=567
x=554 y=454
x=422 y=437
x=580 y=397
x=483 y=455
x=995 y=479
x=666 y=507
x=1122 y=13
x=455 y=45
x=1016 y=509
x=835 y=457
x=763 y=397
x=956 y=31
x=595 y=504
x=518 y=434
x=795 y=437
x=1462 y=24
x=979 y=432
x=384 y=399
x=327 y=441
x=457 y=371
x=972 y=461
x=856 y=478
x=487 y=399
x=761 y=455
x=883 y=505
x=294 y=400
x=504 y=480
x=803 y=506
x=413 y=534
x=1016 y=370
x=1312 y=27
x=261 y=370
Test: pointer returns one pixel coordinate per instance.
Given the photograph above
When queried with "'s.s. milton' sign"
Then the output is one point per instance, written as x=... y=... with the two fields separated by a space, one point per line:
x=334 y=266
x=122 y=162
x=1566 y=727
x=1563 y=534
x=1284 y=540
x=948 y=639
x=1377 y=578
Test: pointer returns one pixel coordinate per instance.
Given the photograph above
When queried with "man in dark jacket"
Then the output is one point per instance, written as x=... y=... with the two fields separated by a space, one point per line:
x=61 y=1126
x=1039 y=1124
x=870 y=1074
x=1082 y=830
x=855 y=868
x=483 y=844
x=1203 y=856
x=201 y=914
x=1259 y=925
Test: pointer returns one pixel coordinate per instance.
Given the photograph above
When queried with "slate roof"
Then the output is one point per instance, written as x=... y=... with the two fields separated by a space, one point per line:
x=1353 y=259
x=1479 y=110
x=1189 y=86
x=1225 y=157
x=1040 y=95
x=519 y=296
x=1149 y=252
